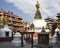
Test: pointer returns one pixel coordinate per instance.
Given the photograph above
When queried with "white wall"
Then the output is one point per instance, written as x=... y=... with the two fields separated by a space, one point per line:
x=3 y=34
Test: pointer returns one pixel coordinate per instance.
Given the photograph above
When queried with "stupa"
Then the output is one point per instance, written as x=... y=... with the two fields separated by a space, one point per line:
x=54 y=38
x=38 y=21
x=5 y=32
x=17 y=38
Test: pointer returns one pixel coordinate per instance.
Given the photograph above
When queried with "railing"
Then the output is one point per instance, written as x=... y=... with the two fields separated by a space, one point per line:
x=22 y=33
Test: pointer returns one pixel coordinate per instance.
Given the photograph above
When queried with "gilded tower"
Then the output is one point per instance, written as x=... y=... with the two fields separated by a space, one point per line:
x=37 y=14
x=38 y=22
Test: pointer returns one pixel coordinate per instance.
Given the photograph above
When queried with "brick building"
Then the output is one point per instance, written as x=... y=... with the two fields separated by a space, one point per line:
x=58 y=20
x=13 y=21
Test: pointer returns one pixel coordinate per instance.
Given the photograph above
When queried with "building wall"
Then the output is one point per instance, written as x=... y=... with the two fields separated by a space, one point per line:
x=58 y=23
x=14 y=22
x=58 y=20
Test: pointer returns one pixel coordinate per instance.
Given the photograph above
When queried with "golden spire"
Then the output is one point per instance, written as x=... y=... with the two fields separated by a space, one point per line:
x=37 y=14
x=37 y=5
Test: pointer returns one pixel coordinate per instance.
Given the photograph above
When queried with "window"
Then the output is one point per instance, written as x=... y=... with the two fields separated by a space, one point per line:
x=0 y=15
x=7 y=34
x=13 y=17
x=0 y=11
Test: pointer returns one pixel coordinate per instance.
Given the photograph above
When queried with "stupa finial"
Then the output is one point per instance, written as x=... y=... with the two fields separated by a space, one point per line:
x=37 y=5
x=37 y=14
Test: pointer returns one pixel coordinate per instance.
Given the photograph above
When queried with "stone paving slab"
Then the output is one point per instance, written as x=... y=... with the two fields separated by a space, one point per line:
x=12 y=45
x=26 y=45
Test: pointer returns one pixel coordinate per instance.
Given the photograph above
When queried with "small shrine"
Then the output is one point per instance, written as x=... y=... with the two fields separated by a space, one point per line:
x=5 y=34
x=17 y=38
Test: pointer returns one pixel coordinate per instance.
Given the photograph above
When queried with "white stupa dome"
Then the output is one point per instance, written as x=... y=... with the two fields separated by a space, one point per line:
x=17 y=34
x=6 y=28
x=57 y=30
x=39 y=23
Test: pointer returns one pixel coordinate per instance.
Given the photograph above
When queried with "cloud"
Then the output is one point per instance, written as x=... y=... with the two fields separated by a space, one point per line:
x=50 y=7
x=26 y=6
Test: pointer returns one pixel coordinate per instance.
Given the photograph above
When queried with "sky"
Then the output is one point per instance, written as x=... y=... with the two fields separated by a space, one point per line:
x=26 y=8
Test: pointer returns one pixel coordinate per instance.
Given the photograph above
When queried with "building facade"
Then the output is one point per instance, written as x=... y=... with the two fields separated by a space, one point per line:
x=13 y=21
x=58 y=20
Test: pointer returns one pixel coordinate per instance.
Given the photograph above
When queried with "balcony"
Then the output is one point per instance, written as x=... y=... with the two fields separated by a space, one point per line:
x=10 y=23
x=18 y=20
x=9 y=19
x=21 y=25
x=13 y=20
x=14 y=24
x=17 y=24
